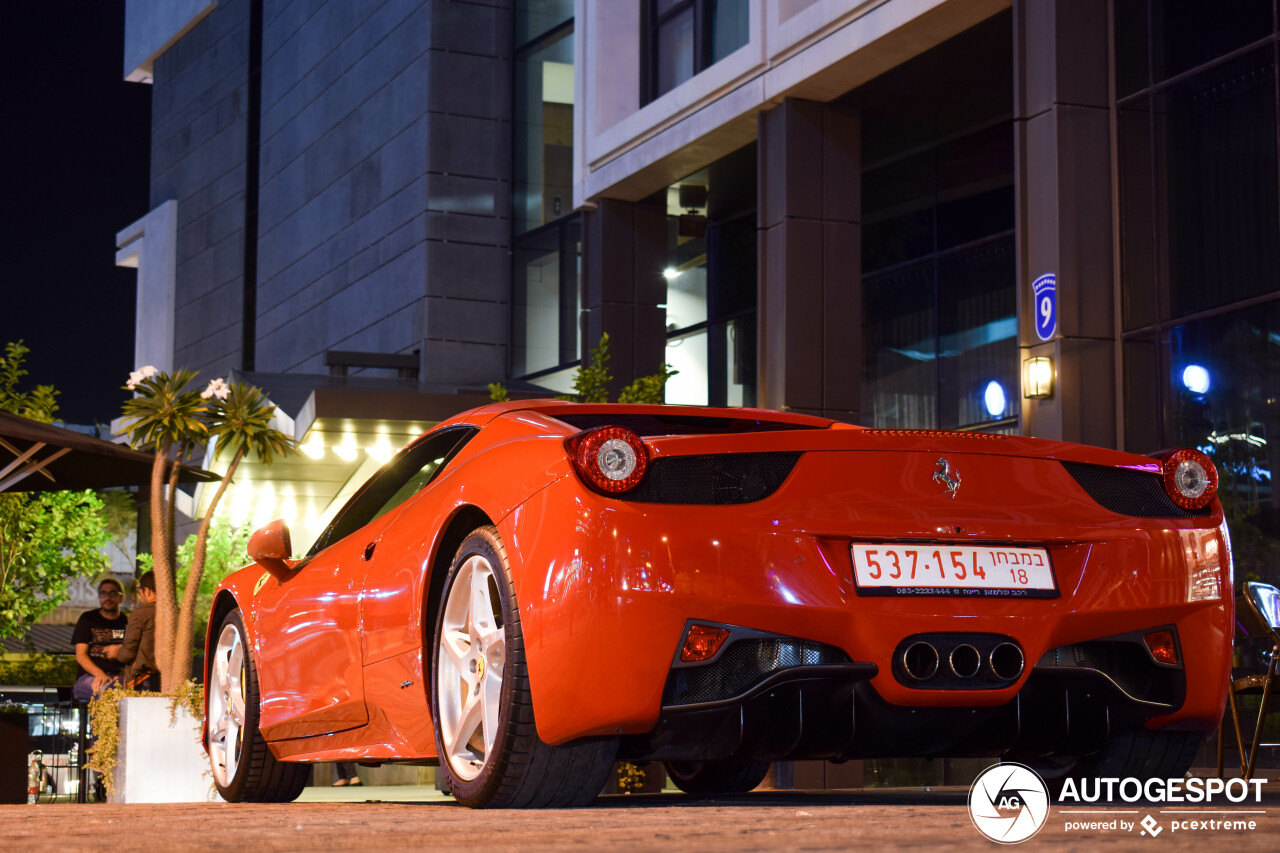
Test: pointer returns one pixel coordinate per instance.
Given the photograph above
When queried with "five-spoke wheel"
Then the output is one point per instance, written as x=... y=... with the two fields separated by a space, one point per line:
x=472 y=655
x=490 y=752
x=244 y=770
x=226 y=704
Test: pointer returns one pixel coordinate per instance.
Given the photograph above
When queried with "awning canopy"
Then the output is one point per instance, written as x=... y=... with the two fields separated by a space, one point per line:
x=36 y=457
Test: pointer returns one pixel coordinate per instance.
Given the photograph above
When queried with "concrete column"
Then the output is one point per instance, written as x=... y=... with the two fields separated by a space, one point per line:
x=810 y=269
x=624 y=249
x=150 y=245
x=1063 y=163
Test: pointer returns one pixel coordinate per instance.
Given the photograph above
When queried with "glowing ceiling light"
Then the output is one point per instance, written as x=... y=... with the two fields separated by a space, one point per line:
x=670 y=272
x=381 y=449
x=289 y=510
x=347 y=448
x=314 y=446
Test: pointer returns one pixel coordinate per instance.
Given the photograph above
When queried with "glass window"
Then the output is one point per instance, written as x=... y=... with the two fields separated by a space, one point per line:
x=546 y=298
x=689 y=36
x=711 y=284
x=728 y=23
x=1187 y=33
x=1131 y=46
x=687 y=353
x=401 y=478
x=1137 y=228
x=543 y=164
x=940 y=321
x=673 y=51
x=1216 y=138
x=978 y=336
x=900 y=381
x=535 y=17
x=1223 y=380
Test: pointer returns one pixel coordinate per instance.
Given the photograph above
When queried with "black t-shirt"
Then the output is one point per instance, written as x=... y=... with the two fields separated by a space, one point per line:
x=100 y=632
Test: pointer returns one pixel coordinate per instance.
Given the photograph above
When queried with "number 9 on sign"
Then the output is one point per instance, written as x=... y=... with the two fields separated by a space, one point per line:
x=1045 y=290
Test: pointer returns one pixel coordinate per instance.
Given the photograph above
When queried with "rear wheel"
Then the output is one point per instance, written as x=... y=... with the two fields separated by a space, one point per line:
x=244 y=769
x=490 y=752
x=717 y=777
x=1138 y=753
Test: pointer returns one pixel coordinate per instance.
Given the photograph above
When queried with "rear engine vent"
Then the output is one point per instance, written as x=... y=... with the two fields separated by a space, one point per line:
x=743 y=664
x=1135 y=493
x=679 y=424
x=725 y=478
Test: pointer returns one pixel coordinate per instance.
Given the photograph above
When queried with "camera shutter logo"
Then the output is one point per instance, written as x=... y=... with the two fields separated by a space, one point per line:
x=1009 y=803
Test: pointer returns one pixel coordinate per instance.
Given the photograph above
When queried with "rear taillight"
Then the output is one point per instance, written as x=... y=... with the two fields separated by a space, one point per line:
x=1189 y=478
x=610 y=459
x=702 y=643
x=1164 y=648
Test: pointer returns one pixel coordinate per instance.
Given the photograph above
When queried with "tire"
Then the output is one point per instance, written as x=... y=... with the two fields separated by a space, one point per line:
x=1138 y=753
x=244 y=770
x=705 y=778
x=490 y=752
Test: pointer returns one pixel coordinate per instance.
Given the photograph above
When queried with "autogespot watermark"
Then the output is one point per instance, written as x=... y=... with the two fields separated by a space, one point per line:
x=1009 y=803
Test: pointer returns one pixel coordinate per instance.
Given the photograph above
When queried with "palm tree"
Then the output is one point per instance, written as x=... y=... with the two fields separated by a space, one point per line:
x=171 y=419
x=240 y=423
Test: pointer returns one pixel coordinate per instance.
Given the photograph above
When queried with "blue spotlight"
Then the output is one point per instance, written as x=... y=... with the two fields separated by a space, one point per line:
x=1196 y=378
x=995 y=399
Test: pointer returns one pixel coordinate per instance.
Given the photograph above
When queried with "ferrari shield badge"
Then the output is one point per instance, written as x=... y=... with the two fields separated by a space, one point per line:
x=947 y=478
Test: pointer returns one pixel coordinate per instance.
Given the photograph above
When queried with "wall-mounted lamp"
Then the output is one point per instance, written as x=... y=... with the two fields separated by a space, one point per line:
x=1037 y=377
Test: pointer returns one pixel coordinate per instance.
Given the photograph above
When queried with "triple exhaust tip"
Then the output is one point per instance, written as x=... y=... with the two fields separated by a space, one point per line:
x=921 y=660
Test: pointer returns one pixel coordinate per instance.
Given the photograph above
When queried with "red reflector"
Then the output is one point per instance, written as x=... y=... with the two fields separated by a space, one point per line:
x=702 y=643
x=1162 y=646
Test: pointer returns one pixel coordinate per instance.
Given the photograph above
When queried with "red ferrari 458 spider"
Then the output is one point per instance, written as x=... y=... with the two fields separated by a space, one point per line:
x=535 y=590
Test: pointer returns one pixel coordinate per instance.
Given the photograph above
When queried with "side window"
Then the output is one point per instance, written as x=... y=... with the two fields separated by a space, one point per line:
x=402 y=478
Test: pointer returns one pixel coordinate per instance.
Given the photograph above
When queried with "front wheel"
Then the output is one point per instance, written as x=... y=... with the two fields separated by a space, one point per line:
x=1138 y=753
x=490 y=752
x=705 y=778
x=244 y=770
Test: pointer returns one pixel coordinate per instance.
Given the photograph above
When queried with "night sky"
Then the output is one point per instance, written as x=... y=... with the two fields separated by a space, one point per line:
x=75 y=141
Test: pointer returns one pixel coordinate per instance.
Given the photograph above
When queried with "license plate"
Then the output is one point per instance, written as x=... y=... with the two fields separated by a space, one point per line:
x=884 y=568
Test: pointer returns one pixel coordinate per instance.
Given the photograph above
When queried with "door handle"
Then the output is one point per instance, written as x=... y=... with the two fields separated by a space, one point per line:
x=368 y=550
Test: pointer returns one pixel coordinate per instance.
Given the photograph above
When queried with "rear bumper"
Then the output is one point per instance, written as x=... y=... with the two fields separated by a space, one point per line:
x=834 y=713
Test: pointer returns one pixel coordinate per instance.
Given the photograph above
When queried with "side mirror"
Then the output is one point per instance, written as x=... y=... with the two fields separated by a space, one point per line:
x=270 y=547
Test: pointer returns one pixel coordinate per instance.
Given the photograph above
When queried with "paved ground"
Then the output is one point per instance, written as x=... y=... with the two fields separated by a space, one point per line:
x=333 y=819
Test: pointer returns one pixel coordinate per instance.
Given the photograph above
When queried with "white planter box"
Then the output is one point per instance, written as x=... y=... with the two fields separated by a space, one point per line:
x=159 y=761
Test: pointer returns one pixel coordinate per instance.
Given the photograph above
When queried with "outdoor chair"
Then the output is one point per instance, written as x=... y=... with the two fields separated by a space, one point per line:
x=1258 y=615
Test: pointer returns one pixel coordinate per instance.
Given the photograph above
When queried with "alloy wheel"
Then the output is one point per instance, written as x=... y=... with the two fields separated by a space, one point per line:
x=469 y=668
x=227 y=705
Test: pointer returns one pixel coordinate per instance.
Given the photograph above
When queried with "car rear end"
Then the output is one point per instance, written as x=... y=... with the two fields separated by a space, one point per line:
x=806 y=590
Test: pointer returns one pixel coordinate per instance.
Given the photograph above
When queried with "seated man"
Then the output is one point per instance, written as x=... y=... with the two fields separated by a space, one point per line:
x=139 y=646
x=96 y=632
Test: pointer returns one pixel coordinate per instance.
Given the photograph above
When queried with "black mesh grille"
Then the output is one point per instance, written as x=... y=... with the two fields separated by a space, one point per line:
x=743 y=664
x=679 y=424
x=1125 y=663
x=1136 y=493
x=725 y=478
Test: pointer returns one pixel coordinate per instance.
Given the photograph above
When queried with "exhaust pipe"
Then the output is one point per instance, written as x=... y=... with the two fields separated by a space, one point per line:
x=920 y=661
x=1007 y=661
x=965 y=661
